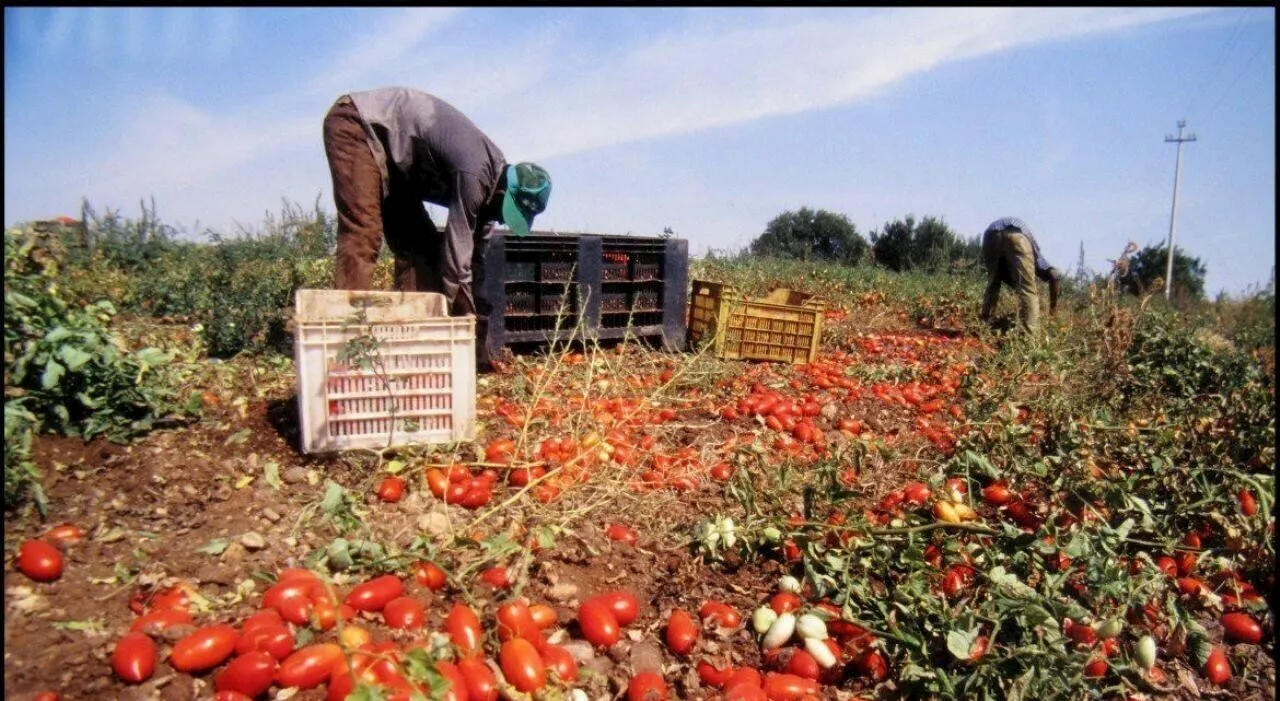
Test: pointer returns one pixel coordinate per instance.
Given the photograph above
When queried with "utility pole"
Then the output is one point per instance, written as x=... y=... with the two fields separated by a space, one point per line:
x=1177 y=170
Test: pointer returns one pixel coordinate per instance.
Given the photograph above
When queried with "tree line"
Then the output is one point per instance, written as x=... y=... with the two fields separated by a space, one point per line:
x=929 y=245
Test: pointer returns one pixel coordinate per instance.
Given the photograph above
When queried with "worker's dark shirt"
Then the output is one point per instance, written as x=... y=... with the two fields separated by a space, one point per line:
x=434 y=152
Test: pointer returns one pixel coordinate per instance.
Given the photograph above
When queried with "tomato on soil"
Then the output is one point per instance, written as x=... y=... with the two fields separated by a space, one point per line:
x=429 y=575
x=464 y=629
x=374 y=594
x=598 y=623
x=205 y=648
x=480 y=682
x=134 y=657
x=521 y=665
x=310 y=666
x=250 y=674
x=647 y=686
x=40 y=561
x=681 y=633
x=391 y=489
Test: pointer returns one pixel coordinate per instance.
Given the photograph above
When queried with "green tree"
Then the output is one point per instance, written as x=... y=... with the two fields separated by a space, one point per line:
x=929 y=244
x=1147 y=270
x=807 y=234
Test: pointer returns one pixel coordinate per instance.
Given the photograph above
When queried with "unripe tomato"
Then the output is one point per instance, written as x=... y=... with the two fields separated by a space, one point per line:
x=40 y=561
x=204 y=649
x=134 y=658
x=521 y=665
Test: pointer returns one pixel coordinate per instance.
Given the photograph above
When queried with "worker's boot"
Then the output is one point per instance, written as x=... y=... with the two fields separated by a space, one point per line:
x=484 y=362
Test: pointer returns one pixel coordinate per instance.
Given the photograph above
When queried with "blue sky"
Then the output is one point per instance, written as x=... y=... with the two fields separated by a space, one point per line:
x=708 y=121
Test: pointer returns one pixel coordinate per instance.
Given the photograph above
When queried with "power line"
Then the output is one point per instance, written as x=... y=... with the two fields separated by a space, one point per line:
x=1213 y=72
x=1239 y=75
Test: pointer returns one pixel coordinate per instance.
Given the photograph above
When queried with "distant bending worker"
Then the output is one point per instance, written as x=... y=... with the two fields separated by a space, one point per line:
x=391 y=149
x=1013 y=258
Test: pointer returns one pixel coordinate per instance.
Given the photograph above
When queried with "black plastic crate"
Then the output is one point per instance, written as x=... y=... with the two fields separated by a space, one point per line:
x=554 y=287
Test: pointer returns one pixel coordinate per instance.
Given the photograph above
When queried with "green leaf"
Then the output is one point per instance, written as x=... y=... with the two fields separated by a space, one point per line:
x=73 y=357
x=960 y=643
x=333 y=497
x=215 y=547
x=53 y=372
x=151 y=356
x=238 y=437
x=366 y=692
x=419 y=667
x=394 y=467
x=271 y=473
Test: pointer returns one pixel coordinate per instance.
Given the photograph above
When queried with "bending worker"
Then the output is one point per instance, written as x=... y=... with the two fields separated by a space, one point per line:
x=391 y=149
x=1013 y=258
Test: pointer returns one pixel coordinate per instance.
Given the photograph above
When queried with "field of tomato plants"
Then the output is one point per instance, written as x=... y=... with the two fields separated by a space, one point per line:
x=928 y=510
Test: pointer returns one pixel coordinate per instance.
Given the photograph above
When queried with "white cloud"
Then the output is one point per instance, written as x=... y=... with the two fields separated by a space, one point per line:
x=698 y=79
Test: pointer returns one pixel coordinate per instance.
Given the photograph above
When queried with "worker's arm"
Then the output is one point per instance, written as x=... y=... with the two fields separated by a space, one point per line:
x=1055 y=281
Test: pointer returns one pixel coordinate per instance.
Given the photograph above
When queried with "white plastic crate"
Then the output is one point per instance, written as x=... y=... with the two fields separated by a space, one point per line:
x=421 y=387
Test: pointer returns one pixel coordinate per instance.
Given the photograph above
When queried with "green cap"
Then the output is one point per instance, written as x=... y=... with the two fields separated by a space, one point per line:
x=528 y=189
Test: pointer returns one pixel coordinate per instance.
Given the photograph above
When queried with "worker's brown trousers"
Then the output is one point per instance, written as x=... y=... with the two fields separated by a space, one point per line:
x=365 y=214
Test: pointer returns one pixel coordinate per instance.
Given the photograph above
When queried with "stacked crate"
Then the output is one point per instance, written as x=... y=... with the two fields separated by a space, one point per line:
x=555 y=287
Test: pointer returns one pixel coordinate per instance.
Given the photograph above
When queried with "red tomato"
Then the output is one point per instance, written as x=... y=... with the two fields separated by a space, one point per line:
x=543 y=616
x=134 y=658
x=720 y=613
x=560 y=661
x=46 y=696
x=157 y=622
x=65 y=534
x=1217 y=669
x=620 y=533
x=789 y=687
x=745 y=675
x=404 y=612
x=802 y=664
x=204 y=649
x=516 y=621
x=391 y=489
x=479 y=680
x=437 y=481
x=647 y=686
x=40 y=561
x=496 y=577
x=916 y=493
x=714 y=676
x=458 y=690
x=1248 y=504
x=870 y=663
x=500 y=451
x=1241 y=628
x=745 y=691
x=624 y=605
x=682 y=632
x=274 y=638
x=785 y=601
x=1167 y=565
x=1097 y=667
x=265 y=616
x=374 y=594
x=250 y=674
x=996 y=494
x=429 y=575
x=464 y=629
x=598 y=623
x=310 y=666
x=521 y=665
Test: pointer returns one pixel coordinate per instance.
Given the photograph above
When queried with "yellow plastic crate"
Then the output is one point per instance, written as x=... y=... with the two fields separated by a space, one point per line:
x=419 y=386
x=783 y=326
